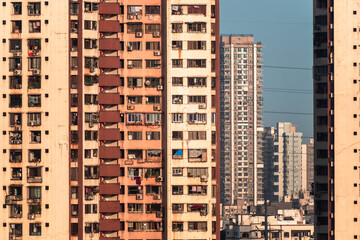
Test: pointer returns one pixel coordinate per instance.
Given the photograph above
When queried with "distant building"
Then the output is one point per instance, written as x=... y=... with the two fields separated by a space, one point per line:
x=241 y=119
x=289 y=224
x=283 y=162
x=289 y=155
x=271 y=164
x=307 y=165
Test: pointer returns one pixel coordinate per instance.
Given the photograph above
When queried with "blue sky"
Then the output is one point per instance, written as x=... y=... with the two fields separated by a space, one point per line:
x=285 y=29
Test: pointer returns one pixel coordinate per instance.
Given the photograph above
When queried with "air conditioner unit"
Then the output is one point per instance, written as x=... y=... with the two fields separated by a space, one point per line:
x=157 y=108
x=159 y=179
x=138 y=34
x=204 y=179
x=130 y=107
x=157 y=53
x=17 y=72
x=36 y=72
x=160 y=88
x=156 y=34
x=74 y=213
x=202 y=106
x=139 y=197
x=157 y=197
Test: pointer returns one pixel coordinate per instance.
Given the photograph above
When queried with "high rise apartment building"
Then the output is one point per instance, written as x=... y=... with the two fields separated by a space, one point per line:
x=241 y=120
x=282 y=157
x=108 y=119
x=336 y=119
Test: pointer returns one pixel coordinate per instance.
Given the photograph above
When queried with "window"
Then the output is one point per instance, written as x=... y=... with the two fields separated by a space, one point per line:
x=177 y=99
x=91 y=172
x=197 y=99
x=91 y=135
x=196 y=63
x=90 y=6
x=134 y=12
x=197 y=172
x=88 y=25
x=177 y=81
x=197 y=9
x=15 y=82
x=177 y=45
x=153 y=190
x=197 y=27
x=91 y=63
x=35 y=229
x=15 y=64
x=177 y=226
x=34 y=119
x=177 y=135
x=35 y=136
x=177 y=117
x=152 y=99
x=196 y=45
x=91 y=227
x=15 y=45
x=74 y=8
x=134 y=46
x=152 y=10
x=177 y=208
x=197 y=226
x=16 y=8
x=177 y=63
x=153 y=46
x=197 y=190
x=152 y=29
x=177 y=190
x=90 y=43
x=34 y=156
x=135 y=207
x=176 y=10
x=34 y=47
x=135 y=154
x=134 y=82
x=16 y=27
x=153 y=118
x=34 y=26
x=153 y=63
x=91 y=99
x=135 y=135
x=134 y=64
x=177 y=153
x=152 y=82
x=34 y=82
x=197 y=155
x=15 y=156
x=152 y=135
x=134 y=28
x=34 y=8
x=197 y=81
x=177 y=172
x=197 y=135
x=34 y=63
x=134 y=99
x=34 y=193
x=177 y=27
x=197 y=118
x=134 y=118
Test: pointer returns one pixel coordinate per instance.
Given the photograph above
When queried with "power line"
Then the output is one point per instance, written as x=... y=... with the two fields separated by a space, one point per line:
x=279 y=91
x=290 y=89
x=268 y=22
x=290 y=68
x=296 y=113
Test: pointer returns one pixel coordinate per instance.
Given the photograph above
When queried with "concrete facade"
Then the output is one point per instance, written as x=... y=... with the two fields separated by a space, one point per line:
x=307 y=166
x=336 y=119
x=241 y=120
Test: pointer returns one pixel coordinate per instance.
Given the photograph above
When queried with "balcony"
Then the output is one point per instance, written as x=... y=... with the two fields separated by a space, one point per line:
x=109 y=62
x=109 y=225
x=110 y=170
x=109 y=8
x=110 y=81
x=109 y=98
x=109 y=134
x=15 y=156
x=110 y=116
x=109 y=206
x=109 y=26
x=109 y=188
x=109 y=152
x=109 y=44
x=34 y=175
x=10 y=199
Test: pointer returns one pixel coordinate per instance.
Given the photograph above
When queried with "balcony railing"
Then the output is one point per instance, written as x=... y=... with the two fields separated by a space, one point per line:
x=9 y=199
x=37 y=179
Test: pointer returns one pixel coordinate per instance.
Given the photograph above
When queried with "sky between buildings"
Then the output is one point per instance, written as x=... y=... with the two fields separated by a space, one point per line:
x=285 y=29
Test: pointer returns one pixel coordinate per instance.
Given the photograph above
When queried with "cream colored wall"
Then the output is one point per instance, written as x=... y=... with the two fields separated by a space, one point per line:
x=345 y=124
x=57 y=123
x=188 y=108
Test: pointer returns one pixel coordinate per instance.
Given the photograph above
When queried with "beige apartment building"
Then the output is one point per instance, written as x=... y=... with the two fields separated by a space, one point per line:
x=108 y=119
x=242 y=168
x=336 y=119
